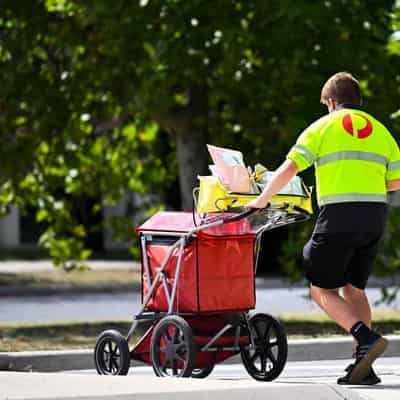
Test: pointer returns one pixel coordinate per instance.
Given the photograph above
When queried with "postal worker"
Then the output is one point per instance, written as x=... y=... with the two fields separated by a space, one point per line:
x=357 y=162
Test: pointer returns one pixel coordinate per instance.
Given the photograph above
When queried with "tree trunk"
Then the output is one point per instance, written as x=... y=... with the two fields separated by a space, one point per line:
x=191 y=140
x=192 y=161
x=189 y=125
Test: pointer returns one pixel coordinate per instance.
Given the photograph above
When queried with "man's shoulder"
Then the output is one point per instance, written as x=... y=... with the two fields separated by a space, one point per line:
x=320 y=124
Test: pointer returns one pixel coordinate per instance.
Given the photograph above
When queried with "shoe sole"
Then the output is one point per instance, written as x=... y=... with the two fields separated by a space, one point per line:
x=363 y=382
x=361 y=370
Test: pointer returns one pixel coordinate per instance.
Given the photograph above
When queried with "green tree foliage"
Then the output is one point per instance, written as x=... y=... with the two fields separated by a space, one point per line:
x=389 y=257
x=98 y=99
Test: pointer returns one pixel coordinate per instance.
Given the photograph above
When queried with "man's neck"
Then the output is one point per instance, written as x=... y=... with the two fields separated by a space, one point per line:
x=348 y=105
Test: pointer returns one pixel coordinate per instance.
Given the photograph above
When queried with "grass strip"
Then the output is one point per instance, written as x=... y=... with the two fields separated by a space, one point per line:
x=62 y=280
x=55 y=336
x=317 y=324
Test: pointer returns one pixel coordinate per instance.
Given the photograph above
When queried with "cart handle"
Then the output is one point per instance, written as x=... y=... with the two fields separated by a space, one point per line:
x=251 y=211
x=240 y=216
x=301 y=210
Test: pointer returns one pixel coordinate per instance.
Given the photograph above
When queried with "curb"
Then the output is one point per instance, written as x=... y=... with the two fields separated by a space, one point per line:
x=70 y=360
x=47 y=361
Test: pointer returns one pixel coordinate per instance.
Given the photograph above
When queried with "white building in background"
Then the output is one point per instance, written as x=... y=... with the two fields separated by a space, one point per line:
x=14 y=227
x=10 y=230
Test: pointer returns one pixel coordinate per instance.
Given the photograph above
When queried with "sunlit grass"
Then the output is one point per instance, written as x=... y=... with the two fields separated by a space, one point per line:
x=55 y=336
x=74 y=279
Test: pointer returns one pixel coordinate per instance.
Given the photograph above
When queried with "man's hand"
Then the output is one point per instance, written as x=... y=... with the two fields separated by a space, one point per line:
x=393 y=185
x=281 y=178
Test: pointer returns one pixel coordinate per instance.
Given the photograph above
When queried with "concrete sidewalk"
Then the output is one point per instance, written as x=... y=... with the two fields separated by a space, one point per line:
x=77 y=386
x=17 y=385
x=299 y=350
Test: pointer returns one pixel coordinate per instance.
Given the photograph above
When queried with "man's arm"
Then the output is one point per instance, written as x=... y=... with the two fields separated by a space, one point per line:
x=393 y=185
x=301 y=156
x=280 y=179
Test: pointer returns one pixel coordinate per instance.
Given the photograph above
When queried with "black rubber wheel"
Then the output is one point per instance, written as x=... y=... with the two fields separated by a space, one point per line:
x=111 y=354
x=266 y=360
x=200 y=373
x=172 y=347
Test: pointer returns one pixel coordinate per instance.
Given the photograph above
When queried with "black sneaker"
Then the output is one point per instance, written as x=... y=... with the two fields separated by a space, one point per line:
x=370 y=379
x=366 y=354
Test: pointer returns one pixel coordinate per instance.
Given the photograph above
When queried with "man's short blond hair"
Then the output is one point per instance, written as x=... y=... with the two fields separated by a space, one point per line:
x=343 y=88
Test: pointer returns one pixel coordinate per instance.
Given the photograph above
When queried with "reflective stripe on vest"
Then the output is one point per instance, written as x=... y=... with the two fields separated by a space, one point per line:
x=345 y=197
x=352 y=155
x=305 y=152
x=394 y=165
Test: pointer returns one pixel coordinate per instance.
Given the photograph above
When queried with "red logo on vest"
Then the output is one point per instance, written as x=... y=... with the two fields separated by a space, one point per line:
x=360 y=133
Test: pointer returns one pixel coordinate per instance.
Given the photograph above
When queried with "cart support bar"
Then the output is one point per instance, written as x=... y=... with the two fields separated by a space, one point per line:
x=177 y=273
x=216 y=337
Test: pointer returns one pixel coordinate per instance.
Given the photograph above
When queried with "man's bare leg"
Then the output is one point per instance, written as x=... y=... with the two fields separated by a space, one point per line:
x=335 y=306
x=359 y=301
x=346 y=316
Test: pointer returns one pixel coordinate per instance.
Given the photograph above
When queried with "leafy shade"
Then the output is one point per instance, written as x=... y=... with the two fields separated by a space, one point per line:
x=100 y=99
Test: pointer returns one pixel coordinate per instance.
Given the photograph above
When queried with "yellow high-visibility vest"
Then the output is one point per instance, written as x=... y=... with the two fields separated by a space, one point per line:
x=354 y=156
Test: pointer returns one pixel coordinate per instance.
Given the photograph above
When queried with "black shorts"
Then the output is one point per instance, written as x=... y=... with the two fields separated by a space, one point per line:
x=332 y=260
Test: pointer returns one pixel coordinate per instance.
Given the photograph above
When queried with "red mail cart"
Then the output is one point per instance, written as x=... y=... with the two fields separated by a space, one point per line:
x=198 y=289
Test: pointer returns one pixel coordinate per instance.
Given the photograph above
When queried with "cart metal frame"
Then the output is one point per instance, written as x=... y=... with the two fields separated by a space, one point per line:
x=276 y=216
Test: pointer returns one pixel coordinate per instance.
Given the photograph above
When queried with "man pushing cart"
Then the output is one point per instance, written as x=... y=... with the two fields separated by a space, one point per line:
x=357 y=162
x=198 y=269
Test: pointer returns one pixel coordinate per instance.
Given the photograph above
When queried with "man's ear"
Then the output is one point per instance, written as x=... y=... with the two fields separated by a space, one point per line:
x=331 y=104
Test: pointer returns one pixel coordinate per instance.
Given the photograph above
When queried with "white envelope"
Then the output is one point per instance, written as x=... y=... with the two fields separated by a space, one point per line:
x=230 y=169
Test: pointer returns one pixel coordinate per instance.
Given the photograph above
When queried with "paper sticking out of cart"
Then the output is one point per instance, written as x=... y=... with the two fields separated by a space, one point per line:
x=232 y=186
x=229 y=167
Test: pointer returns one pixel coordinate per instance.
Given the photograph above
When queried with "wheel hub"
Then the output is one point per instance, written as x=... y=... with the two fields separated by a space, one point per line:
x=172 y=350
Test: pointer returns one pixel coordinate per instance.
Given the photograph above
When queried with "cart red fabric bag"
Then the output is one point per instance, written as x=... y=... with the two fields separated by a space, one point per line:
x=217 y=271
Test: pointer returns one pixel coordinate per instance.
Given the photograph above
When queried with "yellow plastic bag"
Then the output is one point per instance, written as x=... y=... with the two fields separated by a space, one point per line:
x=213 y=197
